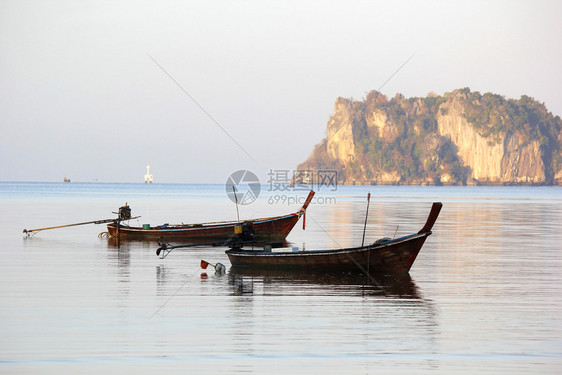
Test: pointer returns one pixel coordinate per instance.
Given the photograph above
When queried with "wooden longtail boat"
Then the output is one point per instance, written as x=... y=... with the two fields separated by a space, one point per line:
x=271 y=229
x=385 y=255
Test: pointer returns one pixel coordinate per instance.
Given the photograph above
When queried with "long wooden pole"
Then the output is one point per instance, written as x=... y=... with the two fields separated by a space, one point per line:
x=69 y=225
x=366 y=216
x=30 y=231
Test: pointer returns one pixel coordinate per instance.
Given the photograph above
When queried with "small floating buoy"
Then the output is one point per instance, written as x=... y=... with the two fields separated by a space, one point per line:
x=219 y=267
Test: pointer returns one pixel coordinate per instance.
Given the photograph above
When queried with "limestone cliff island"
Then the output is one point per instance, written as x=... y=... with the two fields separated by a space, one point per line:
x=460 y=138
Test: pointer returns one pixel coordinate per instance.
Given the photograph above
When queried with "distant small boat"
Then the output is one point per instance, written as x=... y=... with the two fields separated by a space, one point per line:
x=271 y=229
x=66 y=179
x=385 y=255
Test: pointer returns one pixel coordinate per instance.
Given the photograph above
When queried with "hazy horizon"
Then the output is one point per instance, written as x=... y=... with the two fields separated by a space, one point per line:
x=197 y=90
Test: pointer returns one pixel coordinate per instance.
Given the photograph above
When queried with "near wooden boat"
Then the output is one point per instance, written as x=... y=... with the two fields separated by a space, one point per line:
x=271 y=229
x=385 y=255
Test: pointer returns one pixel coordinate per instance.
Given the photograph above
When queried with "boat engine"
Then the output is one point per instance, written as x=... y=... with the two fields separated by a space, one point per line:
x=124 y=212
x=243 y=233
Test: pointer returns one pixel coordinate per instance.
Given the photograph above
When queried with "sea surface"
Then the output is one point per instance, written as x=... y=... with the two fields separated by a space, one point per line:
x=484 y=295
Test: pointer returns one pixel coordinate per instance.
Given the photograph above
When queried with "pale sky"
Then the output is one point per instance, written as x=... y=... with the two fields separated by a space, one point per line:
x=81 y=97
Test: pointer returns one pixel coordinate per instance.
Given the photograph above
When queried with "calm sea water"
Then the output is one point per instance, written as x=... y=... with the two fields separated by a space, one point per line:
x=485 y=294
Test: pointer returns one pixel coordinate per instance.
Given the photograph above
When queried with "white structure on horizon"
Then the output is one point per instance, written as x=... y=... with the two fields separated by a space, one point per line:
x=148 y=177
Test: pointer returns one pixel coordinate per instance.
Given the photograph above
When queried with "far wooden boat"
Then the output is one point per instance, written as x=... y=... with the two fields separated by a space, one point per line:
x=271 y=229
x=385 y=255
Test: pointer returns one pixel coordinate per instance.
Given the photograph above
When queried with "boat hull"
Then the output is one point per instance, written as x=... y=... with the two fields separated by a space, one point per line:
x=393 y=256
x=267 y=230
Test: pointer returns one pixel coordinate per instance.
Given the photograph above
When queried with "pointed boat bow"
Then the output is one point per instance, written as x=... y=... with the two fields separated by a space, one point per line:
x=307 y=202
x=433 y=214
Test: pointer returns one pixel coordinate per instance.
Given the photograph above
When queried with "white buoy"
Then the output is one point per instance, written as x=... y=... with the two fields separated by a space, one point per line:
x=220 y=268
x=148 y=177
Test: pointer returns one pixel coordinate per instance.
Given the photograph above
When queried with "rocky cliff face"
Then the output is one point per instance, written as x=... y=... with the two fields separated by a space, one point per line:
x=341 y=145
x=459 y=138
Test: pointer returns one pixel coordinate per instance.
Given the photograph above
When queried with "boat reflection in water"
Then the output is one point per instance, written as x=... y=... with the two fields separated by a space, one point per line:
x=303 y=282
